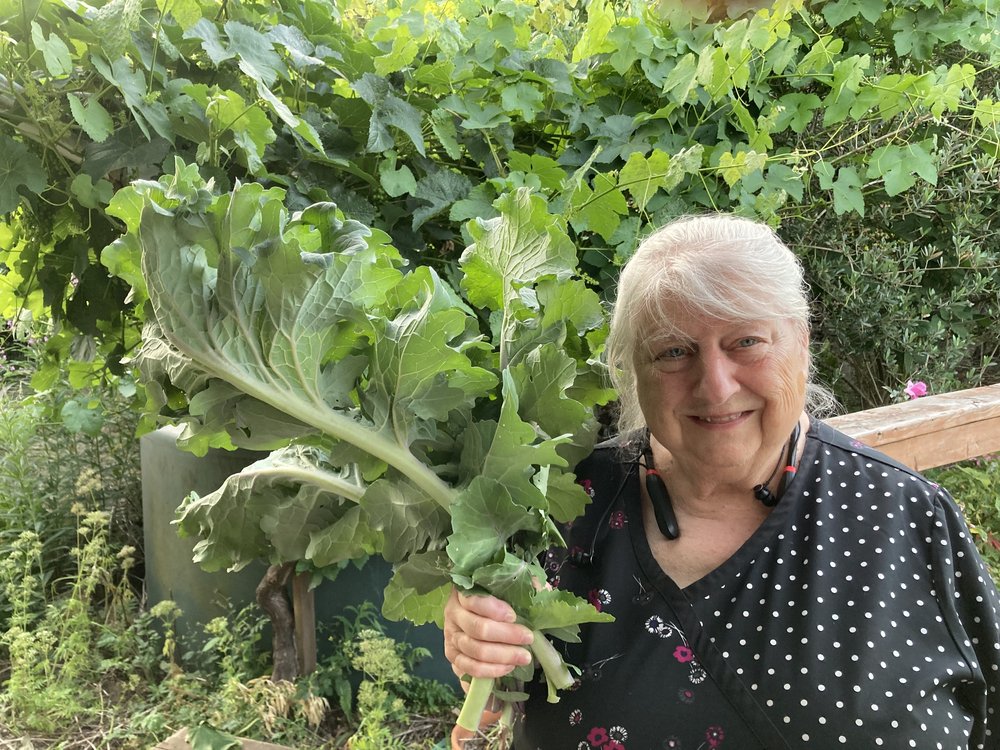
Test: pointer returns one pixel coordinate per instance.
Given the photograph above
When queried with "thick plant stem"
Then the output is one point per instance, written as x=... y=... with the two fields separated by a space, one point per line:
x=557 y=677
x=476 y=699
x=557 y=674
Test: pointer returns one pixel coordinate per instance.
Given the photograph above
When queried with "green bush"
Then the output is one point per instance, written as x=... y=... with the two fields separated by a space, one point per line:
x=859 y=127
x=64 y=447
x=976 y=486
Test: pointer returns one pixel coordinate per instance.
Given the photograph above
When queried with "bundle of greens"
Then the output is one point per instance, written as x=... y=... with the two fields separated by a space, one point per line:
x=435 y=428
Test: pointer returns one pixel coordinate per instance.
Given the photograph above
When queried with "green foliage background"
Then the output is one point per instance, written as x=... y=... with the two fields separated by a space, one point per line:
x=866 y=130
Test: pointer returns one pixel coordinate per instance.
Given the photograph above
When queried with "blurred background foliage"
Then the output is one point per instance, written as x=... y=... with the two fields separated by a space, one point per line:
x=866 y=131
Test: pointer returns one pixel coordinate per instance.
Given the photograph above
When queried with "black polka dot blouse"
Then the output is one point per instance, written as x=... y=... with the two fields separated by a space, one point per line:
x=859 y=615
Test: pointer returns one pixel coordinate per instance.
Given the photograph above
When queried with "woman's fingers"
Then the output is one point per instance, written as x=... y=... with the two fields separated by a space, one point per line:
x=480 y=637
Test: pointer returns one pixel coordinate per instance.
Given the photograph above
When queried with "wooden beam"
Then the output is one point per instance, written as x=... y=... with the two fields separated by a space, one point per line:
x=933 y=430
x=304 y=607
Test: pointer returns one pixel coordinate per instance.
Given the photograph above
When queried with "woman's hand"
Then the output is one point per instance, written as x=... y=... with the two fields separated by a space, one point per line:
x=481 y=638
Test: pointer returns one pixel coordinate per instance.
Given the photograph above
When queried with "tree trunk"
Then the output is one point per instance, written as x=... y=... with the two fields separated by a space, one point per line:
x=273 y=599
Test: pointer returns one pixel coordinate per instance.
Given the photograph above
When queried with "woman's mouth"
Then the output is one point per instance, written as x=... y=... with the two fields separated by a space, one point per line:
x=722 y=418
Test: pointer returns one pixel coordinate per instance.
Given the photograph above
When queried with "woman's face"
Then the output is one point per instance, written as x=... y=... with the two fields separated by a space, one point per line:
x=724 y=396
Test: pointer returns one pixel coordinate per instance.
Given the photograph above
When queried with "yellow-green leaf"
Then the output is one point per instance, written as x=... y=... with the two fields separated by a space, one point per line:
x=733 y=167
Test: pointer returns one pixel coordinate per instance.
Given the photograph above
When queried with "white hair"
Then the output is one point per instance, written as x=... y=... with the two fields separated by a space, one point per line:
x=716 y=267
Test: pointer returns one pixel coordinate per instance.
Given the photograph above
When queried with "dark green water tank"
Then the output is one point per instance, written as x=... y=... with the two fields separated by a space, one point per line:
x=168 y=475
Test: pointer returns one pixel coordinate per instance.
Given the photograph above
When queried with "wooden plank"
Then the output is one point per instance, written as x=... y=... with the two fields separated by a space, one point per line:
x=304 y=609
x=931 y=431
x=178 y=741
x=946 y=447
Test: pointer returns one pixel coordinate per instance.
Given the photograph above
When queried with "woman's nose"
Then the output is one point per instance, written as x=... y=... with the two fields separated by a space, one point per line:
x=716 y=378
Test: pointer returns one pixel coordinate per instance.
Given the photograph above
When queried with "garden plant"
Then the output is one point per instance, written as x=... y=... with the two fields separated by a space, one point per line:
x=303 y=203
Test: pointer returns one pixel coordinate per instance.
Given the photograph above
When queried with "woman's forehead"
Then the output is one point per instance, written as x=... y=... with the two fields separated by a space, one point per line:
x=694 y=328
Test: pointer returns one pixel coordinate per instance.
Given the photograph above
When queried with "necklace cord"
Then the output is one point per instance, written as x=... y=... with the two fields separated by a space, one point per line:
x=663 y=507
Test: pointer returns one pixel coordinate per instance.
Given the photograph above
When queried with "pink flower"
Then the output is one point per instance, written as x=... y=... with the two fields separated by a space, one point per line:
x=915 y=389
x=714 y=736
x=598 y=598
x=598 y=736
x=683 y=654
x=614 y=745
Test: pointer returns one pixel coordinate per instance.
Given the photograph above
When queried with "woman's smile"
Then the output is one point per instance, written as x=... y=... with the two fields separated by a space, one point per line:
x=721 y=420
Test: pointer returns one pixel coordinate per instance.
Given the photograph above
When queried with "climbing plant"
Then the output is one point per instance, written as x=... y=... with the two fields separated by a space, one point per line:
x=867 y=130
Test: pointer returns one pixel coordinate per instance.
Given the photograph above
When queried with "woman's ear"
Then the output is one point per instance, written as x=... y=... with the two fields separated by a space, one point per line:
x=807 y=354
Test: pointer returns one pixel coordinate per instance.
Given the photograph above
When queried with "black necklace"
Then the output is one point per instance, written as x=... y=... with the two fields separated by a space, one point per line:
x=663 y=508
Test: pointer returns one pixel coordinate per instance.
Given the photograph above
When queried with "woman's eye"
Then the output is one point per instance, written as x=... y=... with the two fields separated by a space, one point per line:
x=672 y=352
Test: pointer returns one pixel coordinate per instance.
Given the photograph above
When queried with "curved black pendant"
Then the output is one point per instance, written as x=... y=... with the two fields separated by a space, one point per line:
x=663 y=509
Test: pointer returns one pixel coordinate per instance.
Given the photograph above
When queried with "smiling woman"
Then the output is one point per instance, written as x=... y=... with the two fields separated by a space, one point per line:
x=773 y=582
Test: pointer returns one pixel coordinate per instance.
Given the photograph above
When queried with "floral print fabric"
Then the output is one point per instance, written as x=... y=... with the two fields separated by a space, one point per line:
x=858 y=615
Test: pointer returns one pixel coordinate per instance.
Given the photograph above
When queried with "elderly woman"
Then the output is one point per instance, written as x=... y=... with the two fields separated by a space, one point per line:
x=774 y=583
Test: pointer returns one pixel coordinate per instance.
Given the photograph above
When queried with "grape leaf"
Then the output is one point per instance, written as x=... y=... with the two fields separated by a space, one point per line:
x=92 y=117
x=18 y=168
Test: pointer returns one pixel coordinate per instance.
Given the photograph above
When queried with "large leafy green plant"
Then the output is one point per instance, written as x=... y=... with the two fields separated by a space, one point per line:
x=435 y=428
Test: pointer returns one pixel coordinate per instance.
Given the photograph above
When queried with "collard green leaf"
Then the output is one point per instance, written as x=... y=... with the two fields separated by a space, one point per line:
x=424 y=571
x=272 y=510
x=542 y=379
x=404 y=602
x=484 y=516
x=513 y=579
x=407 y=519
x=349 y=538
x=506 y=451
x=567 y=499
x=244 y=294
x=518 y=247
x=554 y=608
x=420 y=372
